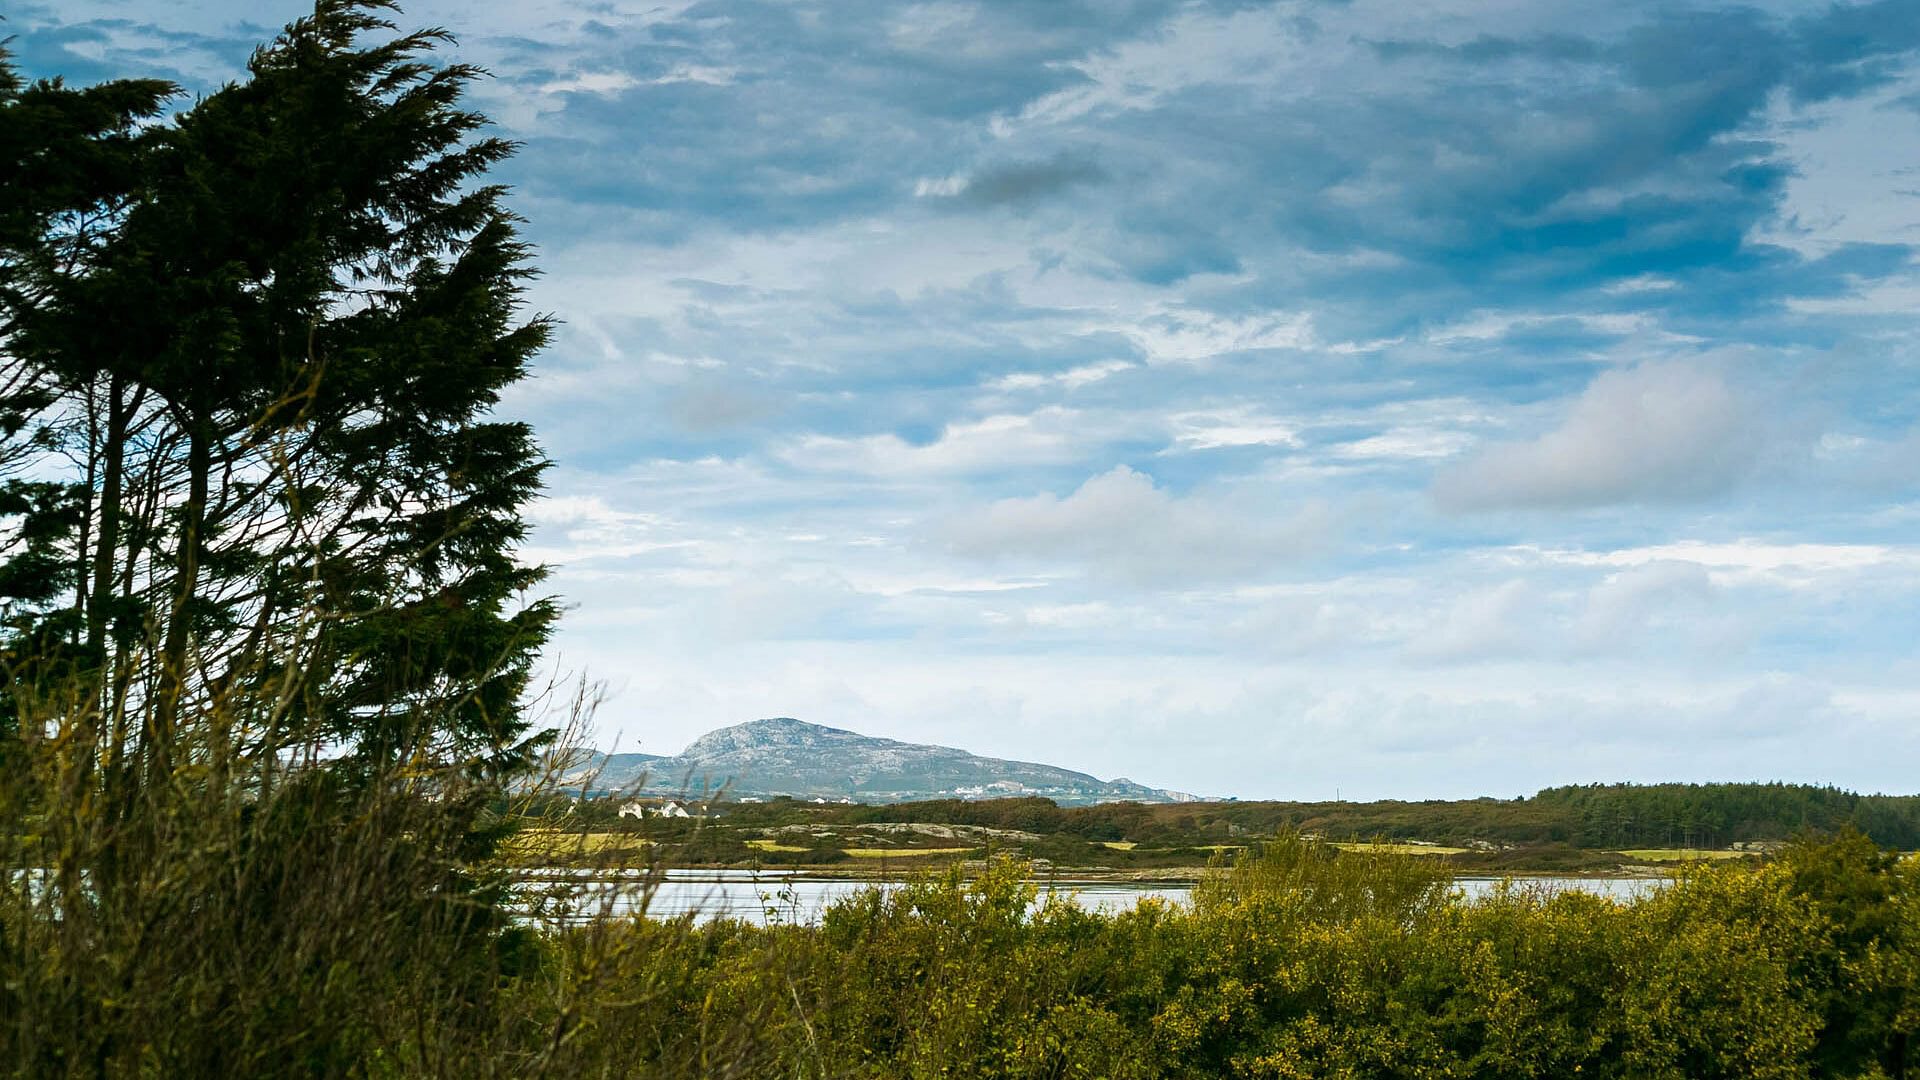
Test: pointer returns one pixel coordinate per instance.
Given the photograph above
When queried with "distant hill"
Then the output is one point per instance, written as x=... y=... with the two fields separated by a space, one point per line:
x=784 y=756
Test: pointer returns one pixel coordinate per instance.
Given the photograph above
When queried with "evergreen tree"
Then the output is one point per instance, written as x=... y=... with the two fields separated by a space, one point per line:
x=73 y=160
x=287 y=504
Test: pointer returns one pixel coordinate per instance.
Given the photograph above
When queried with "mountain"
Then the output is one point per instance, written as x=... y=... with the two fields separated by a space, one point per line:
x=784 y=756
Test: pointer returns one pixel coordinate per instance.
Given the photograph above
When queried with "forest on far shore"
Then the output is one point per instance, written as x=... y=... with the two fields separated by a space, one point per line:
x=1600 y=828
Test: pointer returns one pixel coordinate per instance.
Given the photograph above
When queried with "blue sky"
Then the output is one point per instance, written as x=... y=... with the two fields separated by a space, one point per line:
x=1257 y=399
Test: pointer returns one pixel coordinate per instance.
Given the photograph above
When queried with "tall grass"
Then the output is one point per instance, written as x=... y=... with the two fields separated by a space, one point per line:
x=265 y=914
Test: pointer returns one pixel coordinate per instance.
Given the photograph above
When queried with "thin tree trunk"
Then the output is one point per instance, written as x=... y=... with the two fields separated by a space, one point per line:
x=110 y=495
x=83 y=549
x=173 y=654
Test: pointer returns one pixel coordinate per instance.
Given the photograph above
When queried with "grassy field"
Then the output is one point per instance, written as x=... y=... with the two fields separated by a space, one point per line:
x=773 y=845
x=1119 y=845
x=903 y=853
x=1401 y=849
x=528 y=844
x=1678 y=854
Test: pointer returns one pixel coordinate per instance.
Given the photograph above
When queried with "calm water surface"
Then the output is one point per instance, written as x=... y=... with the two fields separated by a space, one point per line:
x=762 y=897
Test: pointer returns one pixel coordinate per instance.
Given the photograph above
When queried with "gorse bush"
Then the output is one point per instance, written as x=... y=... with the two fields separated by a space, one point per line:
x=1297 y=878
x=1291 y=964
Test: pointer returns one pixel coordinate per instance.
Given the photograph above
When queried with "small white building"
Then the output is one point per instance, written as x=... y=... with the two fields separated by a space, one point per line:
x=636 y=809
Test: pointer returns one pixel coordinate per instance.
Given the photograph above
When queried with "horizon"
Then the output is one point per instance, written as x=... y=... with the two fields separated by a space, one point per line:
x=1274 y=398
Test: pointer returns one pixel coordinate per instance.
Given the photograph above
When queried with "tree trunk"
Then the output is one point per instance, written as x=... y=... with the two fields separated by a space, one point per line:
x=173 y=654
x=108 y=544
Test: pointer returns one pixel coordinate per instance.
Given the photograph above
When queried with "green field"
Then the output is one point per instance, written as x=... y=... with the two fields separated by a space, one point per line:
x=1384 y=848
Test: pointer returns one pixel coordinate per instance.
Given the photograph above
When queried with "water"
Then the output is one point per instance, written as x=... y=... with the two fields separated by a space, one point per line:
x=763 y=897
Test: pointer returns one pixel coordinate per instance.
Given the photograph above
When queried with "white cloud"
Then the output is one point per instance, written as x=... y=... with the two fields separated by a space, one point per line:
x=1657 y=432
x=610 y=83
x=1492 y=325
x=1190 y=336
x=1751 y=561
x=1002 y=440
x=1620 y=609
x=1120 y=524
x=1245 y=48
x=1406 y=443
x=574 y=529
x=705 y=74
x=606 y=83
x=1071 y=379
x=939 y=187
x=1244 y=425
x=1499 y=621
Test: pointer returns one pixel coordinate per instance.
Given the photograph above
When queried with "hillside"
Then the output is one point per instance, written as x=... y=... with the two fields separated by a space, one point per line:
x=784 y=756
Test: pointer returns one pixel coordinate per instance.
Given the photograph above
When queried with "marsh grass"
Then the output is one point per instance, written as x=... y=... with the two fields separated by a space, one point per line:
x=253 y=914
x=905 y=853
x=544 y=845
x=775 y=845
x=1681 y=854
x=1389 y=848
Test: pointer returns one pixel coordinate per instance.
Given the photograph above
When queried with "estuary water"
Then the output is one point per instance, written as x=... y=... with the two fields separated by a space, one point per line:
x=765 y=897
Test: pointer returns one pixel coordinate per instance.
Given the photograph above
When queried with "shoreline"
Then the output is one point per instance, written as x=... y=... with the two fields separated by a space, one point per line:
x=909 y=868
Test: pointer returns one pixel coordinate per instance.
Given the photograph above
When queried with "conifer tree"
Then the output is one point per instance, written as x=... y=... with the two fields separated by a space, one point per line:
x=292 y=507
x=72 y=160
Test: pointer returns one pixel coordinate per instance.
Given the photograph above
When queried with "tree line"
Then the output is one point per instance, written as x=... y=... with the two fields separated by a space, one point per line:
x=1595 y=816
x=1714 y=815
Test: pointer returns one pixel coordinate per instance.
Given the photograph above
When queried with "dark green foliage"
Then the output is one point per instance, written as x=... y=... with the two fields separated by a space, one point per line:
x=1714 y=815
x=264 y=341
x=69 y=160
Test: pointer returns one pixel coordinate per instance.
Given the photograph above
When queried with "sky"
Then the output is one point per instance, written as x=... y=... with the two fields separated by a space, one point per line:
x=1259 y=399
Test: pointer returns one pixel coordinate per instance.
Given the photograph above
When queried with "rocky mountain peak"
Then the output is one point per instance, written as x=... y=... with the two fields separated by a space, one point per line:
x=782 y=732
x=784 y=756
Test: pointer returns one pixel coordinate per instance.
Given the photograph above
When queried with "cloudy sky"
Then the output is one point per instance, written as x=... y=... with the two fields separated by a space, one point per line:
x=1251 y=398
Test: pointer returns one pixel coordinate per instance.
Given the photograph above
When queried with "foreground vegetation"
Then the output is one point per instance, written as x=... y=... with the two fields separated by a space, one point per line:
x=1297 y=961
x=367 y=950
